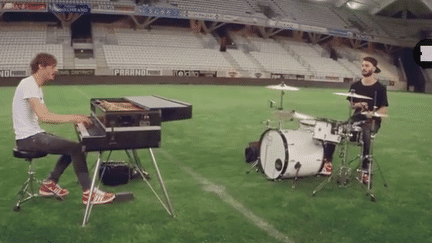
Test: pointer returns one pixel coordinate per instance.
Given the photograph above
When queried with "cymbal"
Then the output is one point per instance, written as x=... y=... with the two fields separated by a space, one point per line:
x=373 y=114
x=282 y=86
x=353 y=95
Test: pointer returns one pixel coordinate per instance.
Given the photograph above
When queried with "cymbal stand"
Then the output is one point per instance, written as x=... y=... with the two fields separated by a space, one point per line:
x=280 y=108
x=281 y=103
x=372 y=161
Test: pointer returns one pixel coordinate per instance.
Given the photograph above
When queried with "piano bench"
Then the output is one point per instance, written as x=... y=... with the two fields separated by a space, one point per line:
x=28 y=190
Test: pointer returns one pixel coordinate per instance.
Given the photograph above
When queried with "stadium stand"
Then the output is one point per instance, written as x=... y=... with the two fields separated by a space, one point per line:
x=280 y=63
x=243 y=60
x=370 y=22
x=122 y=45
x=19 y=56
x=268 y=8
x=172 y=48
x=309 y=13
x=314 y=58
x=359 y=21
x=167 y=37
x=266 y=54
x=266 y=45
x=352 y=60
x=23 y=34
x=66 y=1
x=20 y=42
x=352 y=67
x=126 y=57
x=238 y=7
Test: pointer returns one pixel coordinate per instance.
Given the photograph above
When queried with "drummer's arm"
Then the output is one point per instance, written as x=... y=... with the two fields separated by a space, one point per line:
x=382 y=110
x=362 y=105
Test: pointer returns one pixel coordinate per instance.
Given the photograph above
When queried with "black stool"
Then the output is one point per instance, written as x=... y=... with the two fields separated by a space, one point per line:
x=28 y=191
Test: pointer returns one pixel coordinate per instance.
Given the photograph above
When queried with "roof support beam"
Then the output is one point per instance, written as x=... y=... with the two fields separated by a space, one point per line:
x=340 y=3
x=324 y=37
x=213 y=26
x=268 y=32
x=357 y=44
x=380 y=5
x=390 y=48
x=147 y=21
x=67 y=19
x=427 y=3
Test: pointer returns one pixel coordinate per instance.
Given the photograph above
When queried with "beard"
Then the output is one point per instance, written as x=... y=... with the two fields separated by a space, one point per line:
x=367 y=74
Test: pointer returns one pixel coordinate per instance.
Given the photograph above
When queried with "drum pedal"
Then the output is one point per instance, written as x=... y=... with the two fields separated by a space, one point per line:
x=297 y=166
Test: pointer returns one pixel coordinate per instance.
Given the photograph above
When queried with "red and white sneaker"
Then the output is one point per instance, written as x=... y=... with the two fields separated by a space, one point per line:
x=327 y=169
x=98 y=197
x=50 y=188
x=365 y=177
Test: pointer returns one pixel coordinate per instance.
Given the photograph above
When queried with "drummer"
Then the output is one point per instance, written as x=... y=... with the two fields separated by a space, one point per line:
x=366 y=113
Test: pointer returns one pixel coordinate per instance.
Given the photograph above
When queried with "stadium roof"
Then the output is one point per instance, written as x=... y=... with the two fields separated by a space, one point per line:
x=410 y=9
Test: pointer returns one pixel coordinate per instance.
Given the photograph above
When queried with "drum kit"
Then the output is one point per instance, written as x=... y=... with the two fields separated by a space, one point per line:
x=290 y=154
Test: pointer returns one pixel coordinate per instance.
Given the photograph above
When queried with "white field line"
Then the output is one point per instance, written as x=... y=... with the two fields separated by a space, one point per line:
x=225 y=197
x=82 y=92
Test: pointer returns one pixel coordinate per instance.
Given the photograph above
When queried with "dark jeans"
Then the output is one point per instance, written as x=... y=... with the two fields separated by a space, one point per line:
x=368 y=128
x=70 y=152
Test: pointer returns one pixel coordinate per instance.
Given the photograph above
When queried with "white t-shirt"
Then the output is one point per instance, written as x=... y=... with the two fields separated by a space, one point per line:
x=25 y=121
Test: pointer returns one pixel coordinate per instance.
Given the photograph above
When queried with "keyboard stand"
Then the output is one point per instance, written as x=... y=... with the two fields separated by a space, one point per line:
x=135 y=163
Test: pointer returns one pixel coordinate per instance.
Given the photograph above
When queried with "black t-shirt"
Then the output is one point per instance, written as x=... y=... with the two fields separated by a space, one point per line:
x=376 y=91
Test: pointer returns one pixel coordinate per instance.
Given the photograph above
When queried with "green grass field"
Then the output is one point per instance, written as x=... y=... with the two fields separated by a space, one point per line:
x=202 y=163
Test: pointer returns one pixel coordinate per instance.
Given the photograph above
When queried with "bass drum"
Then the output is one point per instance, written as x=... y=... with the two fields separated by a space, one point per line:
x=281 y=150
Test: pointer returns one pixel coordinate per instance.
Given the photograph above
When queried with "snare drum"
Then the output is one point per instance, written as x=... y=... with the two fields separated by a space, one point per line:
x=326 y=131
x=356 y=134
x=281 y=150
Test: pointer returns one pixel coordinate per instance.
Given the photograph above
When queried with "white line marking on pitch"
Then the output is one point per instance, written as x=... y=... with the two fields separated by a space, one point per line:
x=220 y=191
x=82 y=92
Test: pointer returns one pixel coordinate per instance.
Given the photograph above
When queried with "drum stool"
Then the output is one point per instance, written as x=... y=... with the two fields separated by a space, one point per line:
x=27 y=191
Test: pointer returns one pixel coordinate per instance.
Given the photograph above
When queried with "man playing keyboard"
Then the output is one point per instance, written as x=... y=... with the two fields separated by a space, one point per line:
x=28 y=110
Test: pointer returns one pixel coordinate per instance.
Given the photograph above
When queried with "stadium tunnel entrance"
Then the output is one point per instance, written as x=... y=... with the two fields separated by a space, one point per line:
x=416 y=80
x=81 y=35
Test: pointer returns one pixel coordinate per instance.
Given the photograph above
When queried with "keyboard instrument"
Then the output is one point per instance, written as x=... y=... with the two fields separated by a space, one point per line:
x=130 y=122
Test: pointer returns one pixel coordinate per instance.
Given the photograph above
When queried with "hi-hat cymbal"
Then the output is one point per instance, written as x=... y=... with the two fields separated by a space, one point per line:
x=282 y=86
x=353 y=95
x=373 y=114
